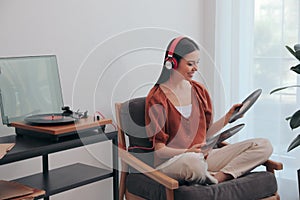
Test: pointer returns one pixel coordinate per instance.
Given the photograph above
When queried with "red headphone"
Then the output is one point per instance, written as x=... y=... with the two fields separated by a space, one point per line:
x=170 y=61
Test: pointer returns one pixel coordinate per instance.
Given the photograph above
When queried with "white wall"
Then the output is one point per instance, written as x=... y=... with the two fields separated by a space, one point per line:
x=107 y=51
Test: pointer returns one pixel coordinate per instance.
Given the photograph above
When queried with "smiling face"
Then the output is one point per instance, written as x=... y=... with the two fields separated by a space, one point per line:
x=188 y=65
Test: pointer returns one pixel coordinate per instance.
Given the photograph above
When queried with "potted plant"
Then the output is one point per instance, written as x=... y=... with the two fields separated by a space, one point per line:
x=295 y=118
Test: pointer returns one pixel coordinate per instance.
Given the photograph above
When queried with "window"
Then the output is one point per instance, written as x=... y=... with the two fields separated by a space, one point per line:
x=250 y=53
x=276 y=24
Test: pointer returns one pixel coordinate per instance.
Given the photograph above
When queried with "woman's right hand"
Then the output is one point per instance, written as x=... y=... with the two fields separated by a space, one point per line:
x=231 y=111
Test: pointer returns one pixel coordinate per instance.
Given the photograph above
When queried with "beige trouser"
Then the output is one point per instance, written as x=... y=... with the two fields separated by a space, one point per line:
x=234 y=159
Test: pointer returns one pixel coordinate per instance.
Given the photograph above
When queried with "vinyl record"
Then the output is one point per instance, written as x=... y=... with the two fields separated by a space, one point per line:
x=230 y=132
x=49 y=119
x=210 y=143
x=246 y=104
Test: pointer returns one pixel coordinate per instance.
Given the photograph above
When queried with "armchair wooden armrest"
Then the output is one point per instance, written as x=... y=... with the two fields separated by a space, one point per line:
x=273 y=165
x=152 y=173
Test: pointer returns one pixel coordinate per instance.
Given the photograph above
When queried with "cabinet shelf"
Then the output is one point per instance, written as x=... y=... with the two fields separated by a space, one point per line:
x=65 y=178
x=61 y=179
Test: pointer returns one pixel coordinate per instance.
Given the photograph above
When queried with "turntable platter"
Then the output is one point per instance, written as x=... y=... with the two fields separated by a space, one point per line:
x=50 y=119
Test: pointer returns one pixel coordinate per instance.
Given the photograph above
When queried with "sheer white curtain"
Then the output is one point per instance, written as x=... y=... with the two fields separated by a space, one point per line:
x=250 y=53
x=233 y=53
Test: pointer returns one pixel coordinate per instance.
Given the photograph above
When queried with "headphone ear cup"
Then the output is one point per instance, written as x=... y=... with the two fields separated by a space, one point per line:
x=170 y=63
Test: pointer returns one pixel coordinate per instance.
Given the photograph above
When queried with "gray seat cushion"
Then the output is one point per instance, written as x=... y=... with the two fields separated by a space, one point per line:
x=255 y=185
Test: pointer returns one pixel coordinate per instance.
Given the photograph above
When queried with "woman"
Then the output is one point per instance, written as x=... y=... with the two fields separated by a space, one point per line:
x=179 y=119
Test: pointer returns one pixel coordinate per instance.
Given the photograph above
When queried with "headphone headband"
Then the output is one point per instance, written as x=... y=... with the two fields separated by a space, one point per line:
x=173 y=45
x=171 y=62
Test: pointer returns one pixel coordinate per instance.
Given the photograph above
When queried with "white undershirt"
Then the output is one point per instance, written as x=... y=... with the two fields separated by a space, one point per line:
x=185 y=110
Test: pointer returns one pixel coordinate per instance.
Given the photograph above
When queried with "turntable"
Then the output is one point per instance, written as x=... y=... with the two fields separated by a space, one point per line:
x=55 y=131
x=31 y=99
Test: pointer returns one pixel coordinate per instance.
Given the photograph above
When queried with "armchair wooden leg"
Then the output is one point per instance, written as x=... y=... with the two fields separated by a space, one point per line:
x=275 y=197
x=169 y=194
x=122 y=185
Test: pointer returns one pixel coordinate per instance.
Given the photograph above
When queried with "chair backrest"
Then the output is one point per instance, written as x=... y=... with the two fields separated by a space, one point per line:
x=131 y=120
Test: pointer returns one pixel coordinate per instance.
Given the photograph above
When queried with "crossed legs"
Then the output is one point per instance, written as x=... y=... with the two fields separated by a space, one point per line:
x=236 y=159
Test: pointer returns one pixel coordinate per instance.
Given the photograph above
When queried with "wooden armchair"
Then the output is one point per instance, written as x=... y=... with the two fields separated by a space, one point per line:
x=139 y=180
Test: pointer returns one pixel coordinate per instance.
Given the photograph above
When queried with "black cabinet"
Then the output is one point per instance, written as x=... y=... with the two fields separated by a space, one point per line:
x=75 y=175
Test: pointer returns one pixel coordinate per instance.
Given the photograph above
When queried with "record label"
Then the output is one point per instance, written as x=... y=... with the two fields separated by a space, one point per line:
x=53 y=117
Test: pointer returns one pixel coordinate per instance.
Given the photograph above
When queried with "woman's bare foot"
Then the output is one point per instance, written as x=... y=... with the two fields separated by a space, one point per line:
x=221 y=177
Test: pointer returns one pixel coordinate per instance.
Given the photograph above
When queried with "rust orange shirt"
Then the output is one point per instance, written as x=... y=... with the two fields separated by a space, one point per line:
x=166 y=125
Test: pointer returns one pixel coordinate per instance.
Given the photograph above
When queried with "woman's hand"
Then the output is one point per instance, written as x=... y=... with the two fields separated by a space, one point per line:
x=231 y=111
x=195 y=148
